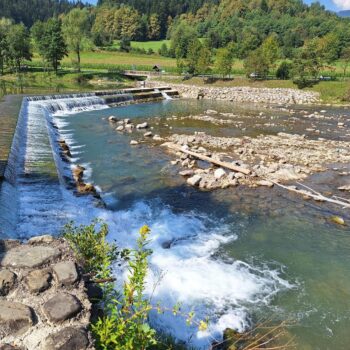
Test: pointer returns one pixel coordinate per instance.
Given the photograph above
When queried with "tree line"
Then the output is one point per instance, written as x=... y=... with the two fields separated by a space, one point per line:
x=51 y=39
x=30 y=11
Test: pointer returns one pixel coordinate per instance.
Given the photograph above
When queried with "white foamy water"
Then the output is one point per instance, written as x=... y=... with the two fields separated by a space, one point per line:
x=184 y=245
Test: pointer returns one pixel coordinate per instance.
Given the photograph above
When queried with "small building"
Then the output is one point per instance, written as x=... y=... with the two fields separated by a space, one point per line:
x=157 y=68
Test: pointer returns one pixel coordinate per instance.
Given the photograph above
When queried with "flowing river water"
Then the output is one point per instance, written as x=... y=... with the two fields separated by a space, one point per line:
x=236 y=255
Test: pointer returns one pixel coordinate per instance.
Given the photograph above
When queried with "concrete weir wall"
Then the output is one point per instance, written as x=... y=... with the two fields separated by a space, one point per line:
x=242 y=94
x=43 y=298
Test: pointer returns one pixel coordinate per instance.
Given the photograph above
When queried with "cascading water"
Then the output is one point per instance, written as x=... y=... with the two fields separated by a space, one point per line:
x=37 y=194
x=164 y=94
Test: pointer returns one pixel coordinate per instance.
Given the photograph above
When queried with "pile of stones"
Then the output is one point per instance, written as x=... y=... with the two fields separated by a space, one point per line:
x=43 y=298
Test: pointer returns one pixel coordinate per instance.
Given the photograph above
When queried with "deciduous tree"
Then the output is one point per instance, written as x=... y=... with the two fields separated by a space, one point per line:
x=75 y=29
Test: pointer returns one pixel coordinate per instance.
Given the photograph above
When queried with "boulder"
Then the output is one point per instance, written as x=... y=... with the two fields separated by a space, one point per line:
x=265 y=183
x=66 y=273
x=45 y=239
x=148 y=134
x=219 y=173
x=133 y=143
x=61 y=307
x=113 y=119
x=7 y=281
x=29 y=256
x=15 y=318
x=38 y=281
x=70 y=338
x=186 y=173
x=142 y=126
x=120 y=128
x=194 y=180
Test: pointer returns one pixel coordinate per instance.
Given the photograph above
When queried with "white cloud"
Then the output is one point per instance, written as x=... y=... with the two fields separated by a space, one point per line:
x=342 y=4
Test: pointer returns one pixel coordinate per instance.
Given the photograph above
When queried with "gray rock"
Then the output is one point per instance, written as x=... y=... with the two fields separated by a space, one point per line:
x=7 y=281
x=148 y=134
x=133 y=143
x=219 y=173
x=45 y=239
x=9 y=347
x=66 y=273
x=120 y=128
x=265 y=183
x=113 y=119
x=38 y=281
x=69 y=338
x=186 y=173
x=194 y=180
x=29 y=256
x=15 y=318
x=142 y=125
x=61 y=307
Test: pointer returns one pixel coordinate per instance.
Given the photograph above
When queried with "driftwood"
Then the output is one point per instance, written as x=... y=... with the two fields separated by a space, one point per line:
x=208 y=159
x=314 y=195
x=307 y=192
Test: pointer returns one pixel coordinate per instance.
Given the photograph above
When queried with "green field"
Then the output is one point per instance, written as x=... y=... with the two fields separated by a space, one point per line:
x=146 y=45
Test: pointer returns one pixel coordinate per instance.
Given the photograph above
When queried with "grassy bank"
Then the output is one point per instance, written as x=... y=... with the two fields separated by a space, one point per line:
x=36 y=81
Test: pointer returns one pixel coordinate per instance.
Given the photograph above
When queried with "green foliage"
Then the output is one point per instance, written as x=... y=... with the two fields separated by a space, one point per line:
x=125 y=325
x=18 y=45
x=75 y=29
x=256 y=65
x=49 y=41
x=125 y=45
x=30 y=11
x=284 y=70
x=91 y=248
x=224 y=61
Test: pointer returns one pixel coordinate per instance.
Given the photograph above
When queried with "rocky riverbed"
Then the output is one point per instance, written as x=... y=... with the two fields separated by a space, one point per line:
x=281 y=158
x=243 y=94
x=44 y=303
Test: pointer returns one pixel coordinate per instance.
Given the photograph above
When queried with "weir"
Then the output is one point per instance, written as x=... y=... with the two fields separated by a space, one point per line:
x=37 y=198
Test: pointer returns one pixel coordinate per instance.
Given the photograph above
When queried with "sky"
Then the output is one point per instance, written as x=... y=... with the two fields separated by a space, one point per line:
x=334 y=5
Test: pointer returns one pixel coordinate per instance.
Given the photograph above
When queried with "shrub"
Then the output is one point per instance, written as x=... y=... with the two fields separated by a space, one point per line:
x=125 y=325
x=91 y=248
x=284 y=71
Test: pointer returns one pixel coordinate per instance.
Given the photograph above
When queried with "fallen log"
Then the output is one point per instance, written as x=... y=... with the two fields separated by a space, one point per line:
x=314 y=195
x=208 y=159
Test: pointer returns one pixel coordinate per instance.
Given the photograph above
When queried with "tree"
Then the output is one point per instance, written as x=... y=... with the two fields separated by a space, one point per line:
x=256 y=63
x=270 y=49
x=284 y=70
x=204 y=60
x=153 y=27
x=75 y=27
x=49 y=41
x=5 y=25
x=18 y=41
x=223 y=63
x=163 y=51
x=192 y=56
x=345 y=60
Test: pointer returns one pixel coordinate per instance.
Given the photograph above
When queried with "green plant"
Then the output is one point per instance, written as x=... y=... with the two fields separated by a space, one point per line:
x=125 y=323
x=91 y=248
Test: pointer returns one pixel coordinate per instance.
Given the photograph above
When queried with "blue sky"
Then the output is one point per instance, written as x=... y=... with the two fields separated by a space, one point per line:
x=335 y=5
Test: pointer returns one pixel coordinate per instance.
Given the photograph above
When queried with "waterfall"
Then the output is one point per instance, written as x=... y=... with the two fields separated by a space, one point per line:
x=32 y=198
x=164 y=94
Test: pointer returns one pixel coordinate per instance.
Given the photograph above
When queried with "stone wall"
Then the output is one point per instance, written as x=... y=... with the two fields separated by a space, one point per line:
x=242 y=94
x=43 y=298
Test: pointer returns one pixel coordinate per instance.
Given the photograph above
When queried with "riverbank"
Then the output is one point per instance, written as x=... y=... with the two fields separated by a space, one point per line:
x=243 y=94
